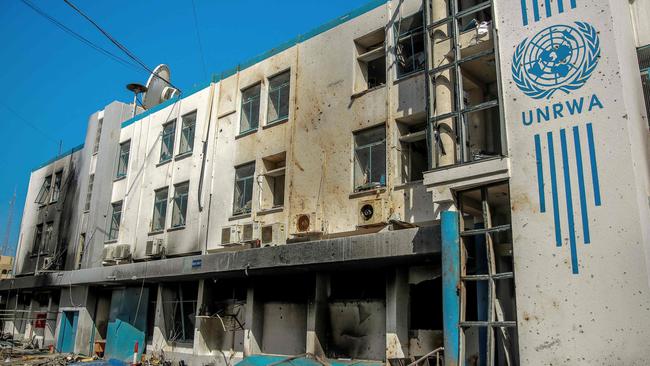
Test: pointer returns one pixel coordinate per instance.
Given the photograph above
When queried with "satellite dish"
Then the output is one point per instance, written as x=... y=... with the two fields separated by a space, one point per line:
x=158 y=81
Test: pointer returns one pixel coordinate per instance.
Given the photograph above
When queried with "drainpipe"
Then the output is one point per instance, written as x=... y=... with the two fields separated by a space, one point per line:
x=205 y=146
x=450 y=285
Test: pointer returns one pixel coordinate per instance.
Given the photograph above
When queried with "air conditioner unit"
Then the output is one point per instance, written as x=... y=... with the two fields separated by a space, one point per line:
x=372 y=212
x=47 y=263
x=250 y=232
x=273 y=234
x=122 y=251
x=154 y=248
x=307 y=223
x=107 y=253
x=230 y=235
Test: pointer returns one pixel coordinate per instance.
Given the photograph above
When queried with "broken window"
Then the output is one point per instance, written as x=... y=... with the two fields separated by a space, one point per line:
x=44 y=193
x=38 y=238
x=278 y=107
x=179 y=211
x=123 y=160
x=116 y=217
x=47 y=238
x=187 y=133
x=56 y=189
x=167 y=146
x=159 y=209
x=179 y=308
x=81 y=250
x=463 y=84
x=370 y=158
x=244 y=175
x=413 y=143
x=250 y=109
x=98 y=135
x=89 y=192
x=273 y=186
x=371 y=58
x=223 y=314
x=487 y=306
x=409 y=49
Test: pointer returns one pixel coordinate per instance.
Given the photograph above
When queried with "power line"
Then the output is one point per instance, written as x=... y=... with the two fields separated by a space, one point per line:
x=198 y=37
x=77 y=35
x=130 y=54
x=28 y=123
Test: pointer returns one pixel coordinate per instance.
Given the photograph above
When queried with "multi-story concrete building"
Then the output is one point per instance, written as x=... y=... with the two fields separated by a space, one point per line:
x=411 y=177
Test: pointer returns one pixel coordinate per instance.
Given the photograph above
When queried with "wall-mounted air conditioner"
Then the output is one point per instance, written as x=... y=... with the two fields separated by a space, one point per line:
x=372 y=212
x=306 y=224
x=122 y=252
x=230 y=235
x=273 y=234
x=107 y=254
x=154 y=248
x=250 y=232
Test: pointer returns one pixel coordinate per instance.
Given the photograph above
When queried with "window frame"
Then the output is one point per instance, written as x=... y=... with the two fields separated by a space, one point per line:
x=43 y=196
x=240 y=209
x=123 y=160
x=114 y=225
x=189 y=141
x=271 y=89
x=89 y=192
x=401 y=37
x=167 y=140
x=38 y=239
x=98 y=135
x=183 y=197
x=406 y=146
x=56 y=186
x=250 y=101
x=370 y=185
x=156 y=212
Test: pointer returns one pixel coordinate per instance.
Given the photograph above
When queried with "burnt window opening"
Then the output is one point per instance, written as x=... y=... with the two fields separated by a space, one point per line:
x=179 y=303
x=44 y=193
x=371 y=61
x=409 y=45
x=38 y=239
x=370 y=158
x=273 y=183
x=222 y=315
x=48 y=237
x=426 y=305
x=463 y=84
x=414 y=151
x=81 y=250
x=56 y=188
x=487 y=308
x=151 y=311
x=116 y=218
x=98 y=135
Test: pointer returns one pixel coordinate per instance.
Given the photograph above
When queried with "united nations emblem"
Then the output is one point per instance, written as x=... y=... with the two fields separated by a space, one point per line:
x=560 y=57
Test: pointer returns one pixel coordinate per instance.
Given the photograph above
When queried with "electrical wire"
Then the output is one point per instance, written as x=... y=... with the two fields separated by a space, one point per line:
x=28 y=123
x=124 y=49
x=198 y=37
x=78 y=36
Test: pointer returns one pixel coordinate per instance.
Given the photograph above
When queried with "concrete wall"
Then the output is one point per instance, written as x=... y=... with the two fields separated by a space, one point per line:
x=640 y=12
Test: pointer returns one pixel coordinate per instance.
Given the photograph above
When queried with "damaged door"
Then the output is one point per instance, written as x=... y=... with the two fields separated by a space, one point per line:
x=127 y=323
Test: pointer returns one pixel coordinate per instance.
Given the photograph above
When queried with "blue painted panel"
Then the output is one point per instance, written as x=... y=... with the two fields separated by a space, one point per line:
x=450 y=281
x=127 y=323
x=68 y=331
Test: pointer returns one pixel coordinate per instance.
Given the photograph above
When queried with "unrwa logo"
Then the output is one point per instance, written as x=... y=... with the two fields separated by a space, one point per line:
x=560 y=57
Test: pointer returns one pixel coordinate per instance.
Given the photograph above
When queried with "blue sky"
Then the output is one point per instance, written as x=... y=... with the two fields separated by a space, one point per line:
x=52 y=82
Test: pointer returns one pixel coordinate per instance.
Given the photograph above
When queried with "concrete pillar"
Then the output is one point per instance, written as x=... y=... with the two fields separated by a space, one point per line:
x=254 y=323
x=316 y=315
x=397 y=313
x=450 y=283
x=199 y=345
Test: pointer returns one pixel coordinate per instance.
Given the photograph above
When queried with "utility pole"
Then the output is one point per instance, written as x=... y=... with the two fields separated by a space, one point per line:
x=10 y=216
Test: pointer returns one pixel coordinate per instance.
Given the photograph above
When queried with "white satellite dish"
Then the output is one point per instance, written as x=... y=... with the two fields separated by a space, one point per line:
x=158 y=81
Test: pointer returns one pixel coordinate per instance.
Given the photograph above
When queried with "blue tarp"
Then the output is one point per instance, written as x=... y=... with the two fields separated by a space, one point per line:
x=111 y=362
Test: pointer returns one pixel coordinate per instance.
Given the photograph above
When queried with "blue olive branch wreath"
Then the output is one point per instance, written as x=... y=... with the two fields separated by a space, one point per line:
x=530 y=89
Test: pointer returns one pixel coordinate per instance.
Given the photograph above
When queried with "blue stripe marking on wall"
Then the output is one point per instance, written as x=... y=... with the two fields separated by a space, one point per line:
x=594 y=164
x=581 y=186
x=540 y=174
x=556 y=212
x=560 y=6
x=547 y=7
x=524 y=13
x=569 y=202
x=536 y=10
x=573 y=4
